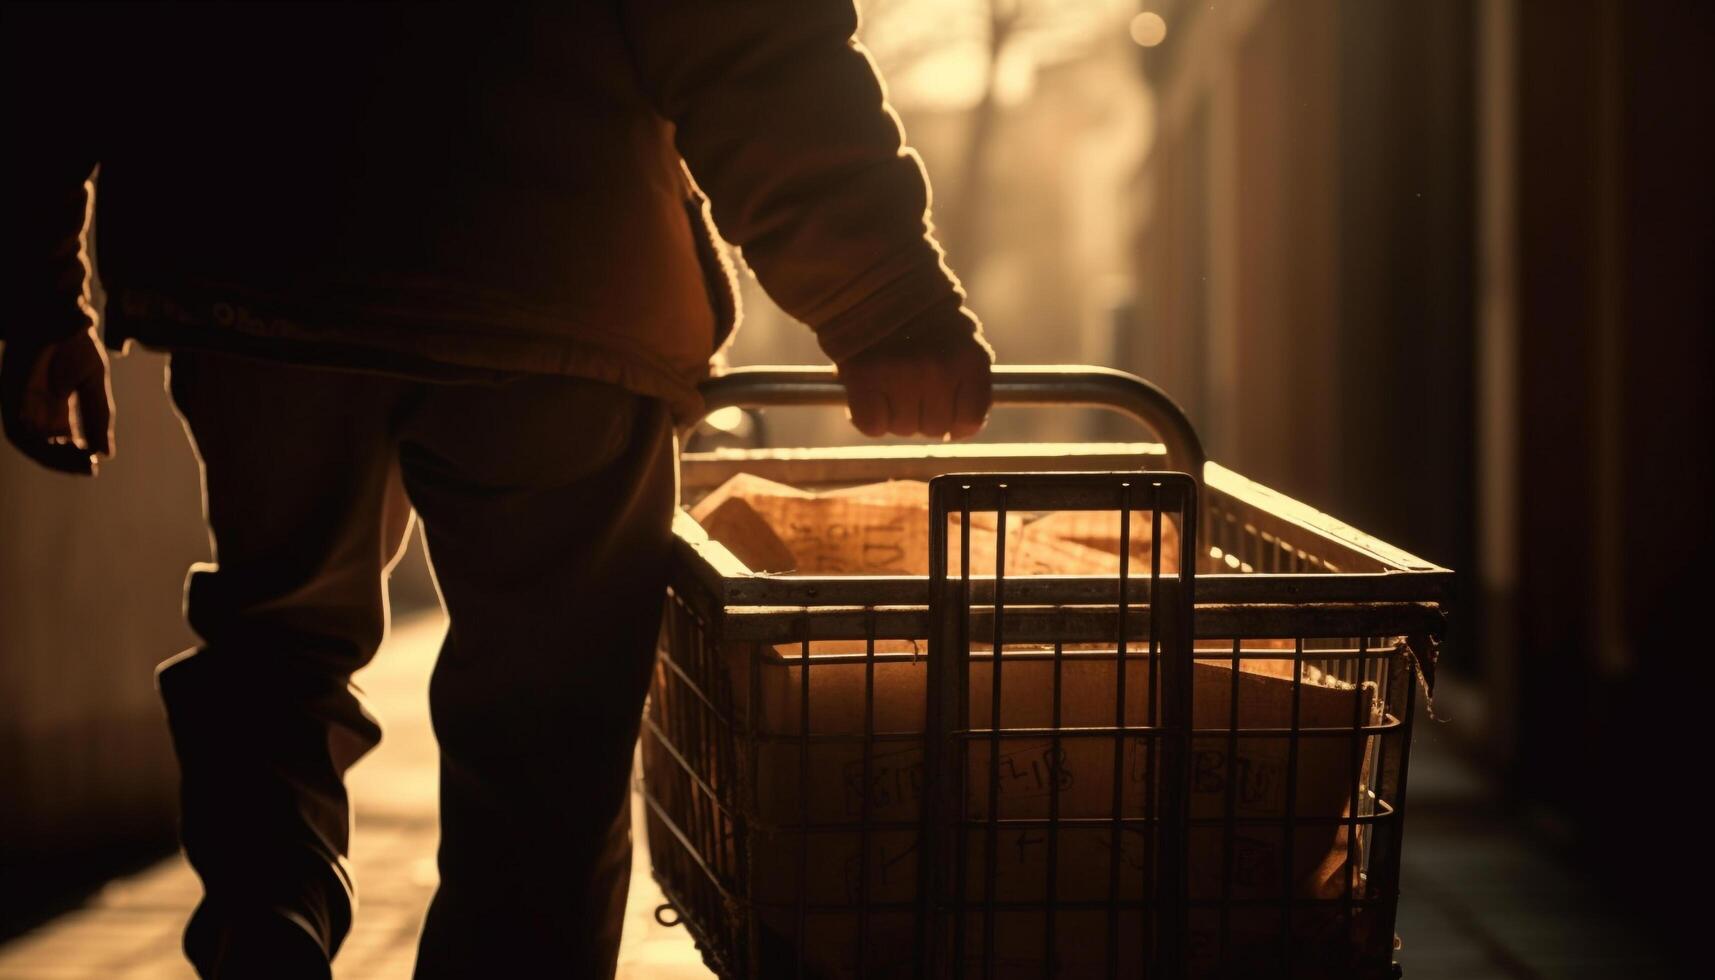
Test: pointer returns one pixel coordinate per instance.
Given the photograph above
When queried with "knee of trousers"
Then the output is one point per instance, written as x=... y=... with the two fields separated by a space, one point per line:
x=329 y=622
x=484 y=711
x=238 y=700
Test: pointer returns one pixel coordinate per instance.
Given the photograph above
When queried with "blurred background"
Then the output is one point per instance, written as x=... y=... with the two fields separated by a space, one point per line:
x=1442 y=268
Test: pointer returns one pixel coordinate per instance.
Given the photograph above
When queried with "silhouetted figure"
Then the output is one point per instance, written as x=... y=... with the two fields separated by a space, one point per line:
x=445 y=258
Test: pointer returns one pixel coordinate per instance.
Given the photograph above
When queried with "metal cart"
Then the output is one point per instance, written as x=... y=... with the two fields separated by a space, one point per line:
x=1195 y=767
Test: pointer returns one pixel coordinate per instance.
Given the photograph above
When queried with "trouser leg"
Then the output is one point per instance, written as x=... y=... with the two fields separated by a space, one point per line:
x=306 y=512
x=547 y=505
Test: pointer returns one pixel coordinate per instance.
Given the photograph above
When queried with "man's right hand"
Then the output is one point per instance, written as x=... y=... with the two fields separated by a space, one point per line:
x=56 y=402
x=930 y=378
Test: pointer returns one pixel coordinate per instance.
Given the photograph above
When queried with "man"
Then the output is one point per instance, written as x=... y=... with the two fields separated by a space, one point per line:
x=445 y=258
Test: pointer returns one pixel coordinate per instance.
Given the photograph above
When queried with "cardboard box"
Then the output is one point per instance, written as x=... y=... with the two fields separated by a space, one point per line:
x=883 y=529
x=1099 y=531
x=821 y=783
x=735 y=523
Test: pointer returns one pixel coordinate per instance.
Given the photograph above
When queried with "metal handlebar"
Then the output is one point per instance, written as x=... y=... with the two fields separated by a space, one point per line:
x=1058 y=385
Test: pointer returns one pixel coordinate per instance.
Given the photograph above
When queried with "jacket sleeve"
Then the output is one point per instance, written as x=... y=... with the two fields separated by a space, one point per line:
x=46 y=131
x=783 y=122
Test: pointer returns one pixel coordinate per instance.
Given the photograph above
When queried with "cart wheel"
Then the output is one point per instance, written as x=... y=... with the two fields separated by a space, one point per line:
x=668 y=914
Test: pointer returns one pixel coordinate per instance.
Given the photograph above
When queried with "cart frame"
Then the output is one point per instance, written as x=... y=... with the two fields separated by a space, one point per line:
x=1275 y=580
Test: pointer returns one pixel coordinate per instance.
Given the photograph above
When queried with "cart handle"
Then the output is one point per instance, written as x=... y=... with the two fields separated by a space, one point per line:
x=1058 y=385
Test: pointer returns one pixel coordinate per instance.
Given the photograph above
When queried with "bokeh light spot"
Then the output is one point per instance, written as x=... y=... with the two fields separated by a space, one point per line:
x=1148 y=29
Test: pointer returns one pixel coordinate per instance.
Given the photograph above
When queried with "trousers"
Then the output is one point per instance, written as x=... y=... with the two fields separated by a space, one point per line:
x=546 y=505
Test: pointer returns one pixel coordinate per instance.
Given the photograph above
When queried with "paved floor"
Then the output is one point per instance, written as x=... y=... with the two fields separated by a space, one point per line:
x=1482 y=900
x=130 y=931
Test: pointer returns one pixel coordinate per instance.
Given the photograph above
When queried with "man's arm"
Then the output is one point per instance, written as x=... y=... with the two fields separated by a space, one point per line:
x=54 y=397
x=782 y=120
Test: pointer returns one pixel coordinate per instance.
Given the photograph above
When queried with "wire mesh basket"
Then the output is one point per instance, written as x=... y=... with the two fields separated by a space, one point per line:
x=1193 y=767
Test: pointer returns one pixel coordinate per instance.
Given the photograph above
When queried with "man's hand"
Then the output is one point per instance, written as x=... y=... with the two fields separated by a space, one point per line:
x=56 y=402
x=930 y=378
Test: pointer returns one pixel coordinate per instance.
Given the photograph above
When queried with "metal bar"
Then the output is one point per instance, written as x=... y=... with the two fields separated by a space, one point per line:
x=679 y=715
x=991 y=841
x=1153 y=843
x=960 y=655
x=1176 y=666
x=1086 y=491
x=800 y=941
x=1114 y=839
x=1263 y=587
x=1067 y=905
x=752 y=924
x=1146 y=731
x=842 y=738
x=1091 y=624
x=1381 y=854
x=1408 y=713
x=1357 y=762
x=1230 y=804
x=823 y=466
x=1288 y=884
x=1153 y=934
x=1050 y=955
x=708 y=811
x=923 y=960
x=864 y=794
x=691 y=773
x=1043 y=652
x=698 y=560
x=678 y=833
x=690 y=684
x=757 y=387
x=766 y=829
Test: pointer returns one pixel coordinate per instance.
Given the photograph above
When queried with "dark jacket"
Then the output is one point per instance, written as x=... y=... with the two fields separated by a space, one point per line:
x=419 y=188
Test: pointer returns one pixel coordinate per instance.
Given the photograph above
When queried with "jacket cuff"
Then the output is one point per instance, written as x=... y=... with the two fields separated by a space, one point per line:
x=923 y=293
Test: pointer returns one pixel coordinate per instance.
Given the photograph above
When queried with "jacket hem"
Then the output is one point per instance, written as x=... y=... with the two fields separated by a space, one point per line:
x=461 y=356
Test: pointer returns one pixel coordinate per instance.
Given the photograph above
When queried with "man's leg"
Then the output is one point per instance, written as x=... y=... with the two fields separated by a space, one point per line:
x=547 y=504
x=306 y=511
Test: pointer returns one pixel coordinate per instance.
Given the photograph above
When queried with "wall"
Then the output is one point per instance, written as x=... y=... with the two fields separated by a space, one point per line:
x=1304 y=255
x=91 y=573
x=1443 y=269
x=1609 y=521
